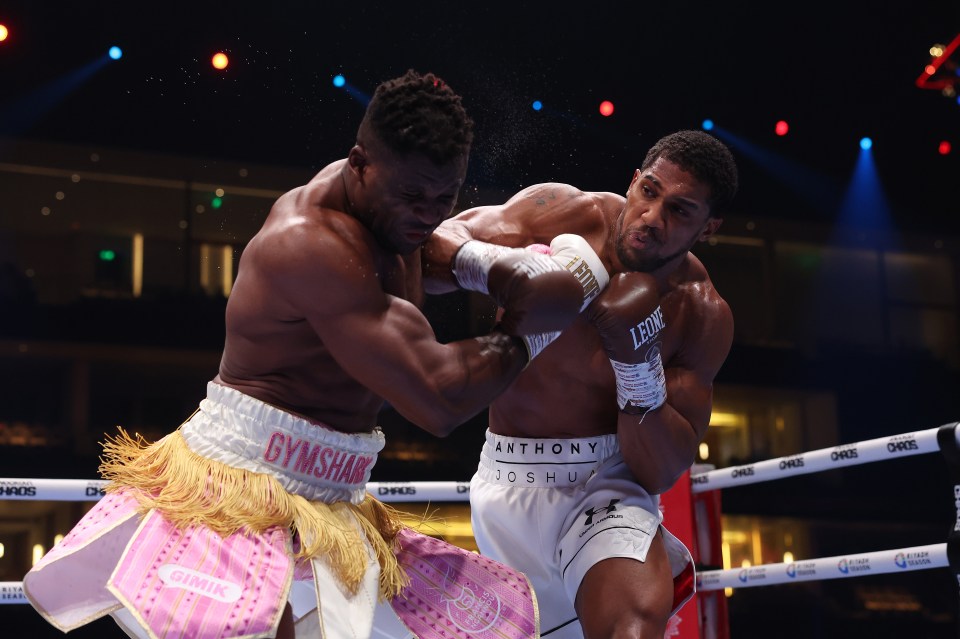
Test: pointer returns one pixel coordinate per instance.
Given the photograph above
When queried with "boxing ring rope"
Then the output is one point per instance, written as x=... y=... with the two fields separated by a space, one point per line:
x=871 y=450
x=93 y=490
x=944 y=439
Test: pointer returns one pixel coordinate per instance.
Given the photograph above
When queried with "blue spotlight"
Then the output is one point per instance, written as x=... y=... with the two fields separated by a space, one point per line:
x=865 y=204
x=866 y=143
x=815 y=188
x=115 y=53
x=707 y=125
x=537 y=105
x=19 y=115
x=341 y=82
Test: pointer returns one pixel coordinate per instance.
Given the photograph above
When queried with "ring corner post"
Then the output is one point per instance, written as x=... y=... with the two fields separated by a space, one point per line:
x=695 y=520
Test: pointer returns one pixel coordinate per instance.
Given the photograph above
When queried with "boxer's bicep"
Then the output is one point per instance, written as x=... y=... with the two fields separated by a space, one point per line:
x=535 y=215
x=387 y=346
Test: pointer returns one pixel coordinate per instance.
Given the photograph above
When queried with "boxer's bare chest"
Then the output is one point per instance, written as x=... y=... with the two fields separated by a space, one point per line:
x=569 y=390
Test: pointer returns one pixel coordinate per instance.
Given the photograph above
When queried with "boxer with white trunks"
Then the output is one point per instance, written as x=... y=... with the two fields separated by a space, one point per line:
x=258 y=498
x=612 y=412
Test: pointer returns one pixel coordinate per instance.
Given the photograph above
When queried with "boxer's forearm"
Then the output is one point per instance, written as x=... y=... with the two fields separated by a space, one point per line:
x=437 y=257
x=657 y=447
x=474 y=373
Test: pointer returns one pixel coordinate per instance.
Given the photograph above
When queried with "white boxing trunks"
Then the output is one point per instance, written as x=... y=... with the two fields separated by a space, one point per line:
x=553 y=508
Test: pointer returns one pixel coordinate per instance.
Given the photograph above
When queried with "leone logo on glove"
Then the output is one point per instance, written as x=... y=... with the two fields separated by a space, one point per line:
x=648 y=329
x=581 y=270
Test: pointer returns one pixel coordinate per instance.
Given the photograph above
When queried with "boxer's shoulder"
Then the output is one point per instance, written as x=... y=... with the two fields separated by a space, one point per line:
x=558 y=198
x=700 y=322
x=692 y=283
x=550 y=209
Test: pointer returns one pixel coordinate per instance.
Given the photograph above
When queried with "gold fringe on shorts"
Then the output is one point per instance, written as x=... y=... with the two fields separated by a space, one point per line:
x=192 y=490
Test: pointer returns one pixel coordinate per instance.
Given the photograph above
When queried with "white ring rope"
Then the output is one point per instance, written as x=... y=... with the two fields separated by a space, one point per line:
x=871 y=450
x=839 y=567
x=93 y=490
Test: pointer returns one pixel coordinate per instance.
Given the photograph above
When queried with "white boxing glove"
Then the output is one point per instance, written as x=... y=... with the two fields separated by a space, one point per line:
x=536 y=293
x=574 y=254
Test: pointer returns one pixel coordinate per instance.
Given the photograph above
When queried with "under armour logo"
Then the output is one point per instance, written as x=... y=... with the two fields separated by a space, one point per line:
x=609 y=508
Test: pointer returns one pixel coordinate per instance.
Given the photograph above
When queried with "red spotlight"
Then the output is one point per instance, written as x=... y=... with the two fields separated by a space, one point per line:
x=945 y=148
x=220 y=61
x=4 y=32
x=782 y=127
x=606 y=108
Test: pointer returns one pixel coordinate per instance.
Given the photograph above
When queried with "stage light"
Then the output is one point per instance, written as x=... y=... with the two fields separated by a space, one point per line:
x=220 y=61
x=864 y=204
x=107 y=255
x=782 y=127
x=606 y=108
x=945 y=148
x=216 y=202
x=938 y=73
x=4 y=32
x=537 y=105
x=115 y=53
x=707 y=125
x=341 y=83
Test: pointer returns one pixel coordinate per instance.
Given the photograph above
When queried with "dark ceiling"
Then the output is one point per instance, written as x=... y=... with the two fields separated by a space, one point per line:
x=836 y=71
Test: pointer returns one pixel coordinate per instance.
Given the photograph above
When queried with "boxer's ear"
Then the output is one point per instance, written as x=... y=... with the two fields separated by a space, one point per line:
x=713 y=223
x=358 y=161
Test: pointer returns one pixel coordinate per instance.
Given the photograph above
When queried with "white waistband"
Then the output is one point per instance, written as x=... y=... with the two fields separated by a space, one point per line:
x=309 y=459
x=543 y=463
